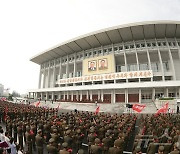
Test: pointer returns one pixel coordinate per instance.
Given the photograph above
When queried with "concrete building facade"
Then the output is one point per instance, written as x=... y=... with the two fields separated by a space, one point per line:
x=131 y=63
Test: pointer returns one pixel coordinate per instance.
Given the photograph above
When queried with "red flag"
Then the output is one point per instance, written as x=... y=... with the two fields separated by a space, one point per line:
x=97 y=110
x=37 y=104
x=163 y=109
x=138 y=107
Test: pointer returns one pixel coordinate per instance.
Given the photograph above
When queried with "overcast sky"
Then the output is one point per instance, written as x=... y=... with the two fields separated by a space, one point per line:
x=28 y=27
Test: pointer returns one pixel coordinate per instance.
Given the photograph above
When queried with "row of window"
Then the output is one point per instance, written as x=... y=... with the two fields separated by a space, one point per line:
x=110 y=49
x=134 y=67
x=155 y=78
x=149 y=44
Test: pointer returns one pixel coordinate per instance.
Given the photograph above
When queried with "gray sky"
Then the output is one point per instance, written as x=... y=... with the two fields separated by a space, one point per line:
x=28 y=27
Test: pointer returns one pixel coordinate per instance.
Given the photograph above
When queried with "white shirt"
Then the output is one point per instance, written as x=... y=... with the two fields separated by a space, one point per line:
x=2 y=137
x=13 y=148
x=7 y=140
x=19 y=152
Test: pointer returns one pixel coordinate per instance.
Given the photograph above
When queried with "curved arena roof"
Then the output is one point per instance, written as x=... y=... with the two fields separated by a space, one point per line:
x=112 y=35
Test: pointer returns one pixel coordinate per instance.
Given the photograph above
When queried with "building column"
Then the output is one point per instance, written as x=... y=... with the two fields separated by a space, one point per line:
x=172 y=64
x=125 y=61
x=153 y=94
x=47 y=96
x=54 y=75
x=113 y=99
x=102 y=95
x=35 y=95
x=40 y=76
x=179 y=92
x=44 y=78
x=99 y=94
x=166 y=92
x=161 y=63
x=87 y=95
x=71 y=95
x=60 y=68
x=91 y=95
x=67 y=67
x=49 y=67
x=171 y=60
x=140 y=95
x=41 y=96
x=67 y=93
x=75 y=66
x=126 y=95
x=29 y=94
x=59 y=95
x=52 y=96
x=81 y=95
x=149 y=63
x=64 y=95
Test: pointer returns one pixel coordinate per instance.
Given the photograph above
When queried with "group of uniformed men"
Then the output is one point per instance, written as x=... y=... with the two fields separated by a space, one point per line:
x=159 y=134
x=35 y=128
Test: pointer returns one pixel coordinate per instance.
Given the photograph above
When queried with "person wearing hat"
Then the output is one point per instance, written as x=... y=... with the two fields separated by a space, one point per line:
x=46 y=128
x=80 y=151
x=161 y=150
x=168 y=146
x=91 y=137
x=117 y=149
x=51 y=148
x=176 y=148
x=96 y=148
x=14 y=125
x=137 y=150
x=68 y=138
x=20 y=134
x=78 y=138
x=65 y=148
x=55 y=136
x=39 y=141
x=33 y=133
x=107 y=142
x=28 y=139
x=152 y=148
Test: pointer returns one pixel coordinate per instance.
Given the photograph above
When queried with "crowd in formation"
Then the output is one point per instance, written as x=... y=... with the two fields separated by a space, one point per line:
x=159 y=134
x=31 y=129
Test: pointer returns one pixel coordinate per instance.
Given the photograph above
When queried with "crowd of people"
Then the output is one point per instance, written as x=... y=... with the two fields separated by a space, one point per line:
x=31 y=129
x=159 y=134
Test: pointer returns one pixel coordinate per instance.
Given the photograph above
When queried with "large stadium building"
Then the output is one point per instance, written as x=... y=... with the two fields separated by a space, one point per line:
x=137 y=62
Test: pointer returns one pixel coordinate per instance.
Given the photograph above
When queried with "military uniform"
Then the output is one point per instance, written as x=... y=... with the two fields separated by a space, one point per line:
x=39 y=142
x=64 y=150
x=176 y=149
x=152 y=148
x=28 y=140
x=96 y=149
x=20 y=134
x=161 y=150
x=107 y=143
